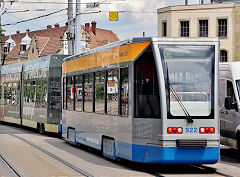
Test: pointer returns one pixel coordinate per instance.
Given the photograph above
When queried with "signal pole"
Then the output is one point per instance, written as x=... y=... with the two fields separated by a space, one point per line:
x=78 y=35
x=70 y=32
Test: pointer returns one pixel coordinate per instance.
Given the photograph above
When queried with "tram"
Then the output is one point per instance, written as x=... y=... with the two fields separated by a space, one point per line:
x=147 y=100
x=31 y=93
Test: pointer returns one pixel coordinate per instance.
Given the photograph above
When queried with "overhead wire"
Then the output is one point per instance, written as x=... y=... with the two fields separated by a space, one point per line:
x=34 y=18
x=50 y=2
x=7 y=8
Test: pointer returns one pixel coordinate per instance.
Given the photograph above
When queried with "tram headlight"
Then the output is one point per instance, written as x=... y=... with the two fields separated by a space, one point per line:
x=172 y=130
x=207 y=130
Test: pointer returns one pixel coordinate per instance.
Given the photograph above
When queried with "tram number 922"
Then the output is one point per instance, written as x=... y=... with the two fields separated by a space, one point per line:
x=191 y=130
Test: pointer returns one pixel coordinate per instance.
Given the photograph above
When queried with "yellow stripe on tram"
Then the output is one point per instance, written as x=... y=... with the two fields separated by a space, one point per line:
x=119 y=54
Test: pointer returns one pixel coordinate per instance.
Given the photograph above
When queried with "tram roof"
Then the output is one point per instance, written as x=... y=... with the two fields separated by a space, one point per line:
x=12 y=68
x=44 y=62
x=109 y=46
x=137 y=40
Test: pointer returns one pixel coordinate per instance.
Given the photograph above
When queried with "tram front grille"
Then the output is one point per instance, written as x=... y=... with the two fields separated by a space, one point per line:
x=195 y=143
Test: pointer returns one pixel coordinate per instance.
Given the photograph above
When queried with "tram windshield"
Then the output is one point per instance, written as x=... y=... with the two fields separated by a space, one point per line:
x=190 y=72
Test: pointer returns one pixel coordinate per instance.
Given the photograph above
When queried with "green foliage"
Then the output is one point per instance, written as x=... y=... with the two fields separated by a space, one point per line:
x=1 y=32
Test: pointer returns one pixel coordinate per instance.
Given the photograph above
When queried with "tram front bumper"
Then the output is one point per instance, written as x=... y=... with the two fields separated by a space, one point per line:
x=177 y=155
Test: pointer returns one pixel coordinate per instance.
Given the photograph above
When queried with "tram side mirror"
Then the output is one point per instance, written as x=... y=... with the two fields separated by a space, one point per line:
x=227 y=103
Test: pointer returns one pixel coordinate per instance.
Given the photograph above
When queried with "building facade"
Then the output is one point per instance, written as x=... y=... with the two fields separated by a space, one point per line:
x=204 y=20
x=30 y=45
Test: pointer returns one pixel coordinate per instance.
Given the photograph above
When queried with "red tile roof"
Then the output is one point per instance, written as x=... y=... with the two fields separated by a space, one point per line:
x=102 y=37
x=41 y=43
x=52 y=46
x=49 y=40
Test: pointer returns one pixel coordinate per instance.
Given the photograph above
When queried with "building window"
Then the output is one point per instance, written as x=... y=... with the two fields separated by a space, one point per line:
x=223 y=56
x=203 y=28
x=164 y=29
x=184 y=28
x=222 y=27
x=23 y=48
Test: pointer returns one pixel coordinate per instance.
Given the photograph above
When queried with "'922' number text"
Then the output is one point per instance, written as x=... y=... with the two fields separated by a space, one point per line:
x=191 y=130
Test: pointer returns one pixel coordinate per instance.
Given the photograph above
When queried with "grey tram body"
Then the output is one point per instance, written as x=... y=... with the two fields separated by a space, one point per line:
x=38 y=100
x=146 y=139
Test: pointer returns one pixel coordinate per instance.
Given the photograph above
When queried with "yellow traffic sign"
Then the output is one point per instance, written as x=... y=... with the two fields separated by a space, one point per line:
x=113 y=16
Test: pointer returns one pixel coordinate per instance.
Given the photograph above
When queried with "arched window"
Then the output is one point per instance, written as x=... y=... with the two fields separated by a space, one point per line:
x=223 y=56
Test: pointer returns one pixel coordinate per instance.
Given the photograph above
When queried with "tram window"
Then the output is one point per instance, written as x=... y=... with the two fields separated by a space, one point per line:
x=26 y=92
x=99 y=92
x=64 y=93
x=15 y=94
x=88 y=98
x=112 y=92
x=78 y=93
x=40 y=97
x=55 y=94
x=38 y=94
x=7 y=93
x=124 y=91
x=70 y=91
x=32 y=93
x=146 y=87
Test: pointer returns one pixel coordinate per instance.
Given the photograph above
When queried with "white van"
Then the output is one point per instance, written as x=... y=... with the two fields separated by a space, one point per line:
x=229 y=105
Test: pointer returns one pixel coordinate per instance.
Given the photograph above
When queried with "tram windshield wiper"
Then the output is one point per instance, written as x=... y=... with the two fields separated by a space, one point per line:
x=176 y=97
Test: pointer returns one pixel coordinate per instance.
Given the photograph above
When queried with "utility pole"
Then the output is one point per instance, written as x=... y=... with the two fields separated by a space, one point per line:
x=70 y=33
x=0 y=35
x=78 y=35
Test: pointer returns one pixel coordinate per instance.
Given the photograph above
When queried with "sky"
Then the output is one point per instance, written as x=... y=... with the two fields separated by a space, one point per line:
x=135 y=16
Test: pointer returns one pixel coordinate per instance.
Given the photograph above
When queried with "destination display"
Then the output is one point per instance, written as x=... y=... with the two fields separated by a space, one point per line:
x=186 y=52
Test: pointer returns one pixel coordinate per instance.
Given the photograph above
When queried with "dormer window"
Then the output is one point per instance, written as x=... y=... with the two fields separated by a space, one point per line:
x=9 y=45
x=23 y=48
x=7 y=48
x=25 y=43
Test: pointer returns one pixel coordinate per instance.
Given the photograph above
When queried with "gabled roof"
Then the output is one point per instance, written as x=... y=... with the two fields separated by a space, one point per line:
x=41 y=43
x=102 y=37
x=49 y=40
x=51 y=47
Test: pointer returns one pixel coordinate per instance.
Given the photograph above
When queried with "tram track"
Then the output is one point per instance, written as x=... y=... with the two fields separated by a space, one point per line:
x=207 y=169
x=9 y=167
x=76 y=169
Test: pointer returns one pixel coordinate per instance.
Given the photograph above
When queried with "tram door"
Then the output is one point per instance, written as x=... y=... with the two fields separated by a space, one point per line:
x=146 y=87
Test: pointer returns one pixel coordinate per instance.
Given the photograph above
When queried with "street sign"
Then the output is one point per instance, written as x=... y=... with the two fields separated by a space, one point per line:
x=92 y=5
x=113 y=16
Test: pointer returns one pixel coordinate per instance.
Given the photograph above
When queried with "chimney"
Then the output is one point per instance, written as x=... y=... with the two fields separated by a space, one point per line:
x=17 y=32
x=87 y=27
x=49 y=26
x=93 y=28
x=56 y=25
x=28 y=30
